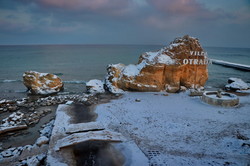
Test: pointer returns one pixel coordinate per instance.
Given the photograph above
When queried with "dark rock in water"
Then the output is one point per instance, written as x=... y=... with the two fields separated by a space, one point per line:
x=182 y=63
x=42 y=83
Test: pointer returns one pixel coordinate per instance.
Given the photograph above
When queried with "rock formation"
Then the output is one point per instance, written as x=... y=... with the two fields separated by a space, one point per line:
x=182 y=63
x=95 y=86
x=42 y=83
x=236 y=84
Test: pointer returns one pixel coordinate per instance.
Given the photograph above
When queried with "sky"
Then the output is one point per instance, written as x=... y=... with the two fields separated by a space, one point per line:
x=221 y=23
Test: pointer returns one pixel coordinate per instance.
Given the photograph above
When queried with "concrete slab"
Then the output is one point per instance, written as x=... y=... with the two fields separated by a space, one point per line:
x=12 y=128
x=84 y=127
x=73 y=139
x=133 y=156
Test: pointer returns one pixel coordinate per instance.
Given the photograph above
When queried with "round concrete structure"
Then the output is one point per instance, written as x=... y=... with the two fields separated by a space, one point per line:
x=225 y=99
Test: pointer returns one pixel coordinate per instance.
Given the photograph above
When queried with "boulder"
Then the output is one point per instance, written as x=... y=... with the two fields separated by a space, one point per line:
x=95 y=86
x=42 y=140
x=42 y=83
x=181 y=64
x=236 y=84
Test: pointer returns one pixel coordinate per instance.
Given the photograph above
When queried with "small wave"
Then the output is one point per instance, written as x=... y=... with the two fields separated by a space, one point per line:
x=20 y=91
x=58 y=74
x=74 y=82
x=8 y=81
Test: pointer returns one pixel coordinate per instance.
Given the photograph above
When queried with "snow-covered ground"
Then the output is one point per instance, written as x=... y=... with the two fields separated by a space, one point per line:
x=181 y=130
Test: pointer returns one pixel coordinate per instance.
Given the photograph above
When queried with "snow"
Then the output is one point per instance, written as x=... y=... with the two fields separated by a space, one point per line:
x=48 y=82
x=42 y=140
x=14 y=119
x=181 y=129
x=118 y=66
x=171 y=46
x=61 y=122
x=95 y=86
x=237 y=84
x=165 y=59
x=69 y=102
x=230 y=64
x=150 y=56
x=131 y=70
x=112 y=88
x=42 y=74
x=224 y=97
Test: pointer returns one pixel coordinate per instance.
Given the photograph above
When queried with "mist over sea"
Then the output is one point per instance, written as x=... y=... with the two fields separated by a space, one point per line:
x=76 y=64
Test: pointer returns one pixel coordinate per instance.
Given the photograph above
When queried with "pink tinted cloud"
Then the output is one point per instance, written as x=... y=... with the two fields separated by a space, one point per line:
x=87 y=5
x=179 y=7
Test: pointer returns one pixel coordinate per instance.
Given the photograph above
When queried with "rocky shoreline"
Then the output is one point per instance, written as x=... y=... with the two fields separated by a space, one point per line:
x=21 y=114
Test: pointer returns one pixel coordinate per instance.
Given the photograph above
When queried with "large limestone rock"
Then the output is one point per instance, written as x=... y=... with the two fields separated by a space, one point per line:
x=182 y=63
x=42 y=83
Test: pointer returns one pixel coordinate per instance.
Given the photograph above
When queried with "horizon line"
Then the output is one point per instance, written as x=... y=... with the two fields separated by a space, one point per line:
x=105 y=45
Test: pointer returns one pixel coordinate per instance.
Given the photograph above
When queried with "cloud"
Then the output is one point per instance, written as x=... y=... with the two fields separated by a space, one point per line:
x=179 y=7
x=97 y=6
x=114 y=21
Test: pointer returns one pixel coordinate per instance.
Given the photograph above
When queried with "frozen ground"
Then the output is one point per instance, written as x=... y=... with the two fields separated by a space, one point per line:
x=181 y=130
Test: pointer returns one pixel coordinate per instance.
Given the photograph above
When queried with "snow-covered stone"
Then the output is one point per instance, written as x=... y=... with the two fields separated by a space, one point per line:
x=7 y=153
x=69 y=102
x=34 y=160
x=42 y=83
x=182 y=63
x=95 y=86
x=13 y=119
x=42 y=140
x=236 y=84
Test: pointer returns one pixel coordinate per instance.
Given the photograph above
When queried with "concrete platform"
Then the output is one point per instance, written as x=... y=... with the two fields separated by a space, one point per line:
x=63 y=139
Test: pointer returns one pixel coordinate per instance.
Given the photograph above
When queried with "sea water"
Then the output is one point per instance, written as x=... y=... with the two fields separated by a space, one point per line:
x=76 y=64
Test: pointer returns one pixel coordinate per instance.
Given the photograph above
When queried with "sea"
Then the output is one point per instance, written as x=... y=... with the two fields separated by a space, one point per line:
x=77 y=64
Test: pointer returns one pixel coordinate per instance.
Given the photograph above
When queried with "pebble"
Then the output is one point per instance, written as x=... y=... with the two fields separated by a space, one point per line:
x=12 y=108
x=7 y=153
x=137 y=100
x=33 y=161
x=31 y=109
x=42 y=140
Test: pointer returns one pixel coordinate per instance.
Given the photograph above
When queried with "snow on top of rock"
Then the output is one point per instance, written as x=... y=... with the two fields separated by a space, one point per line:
x=131 y=70
x=119 y=65
x=94 y=82
x=150 y=56
x=111 y=88
x=164 y=59
x=171 y=46
x=237 y=84
x=94 y=86
x=35 y=72
x=43 y=74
